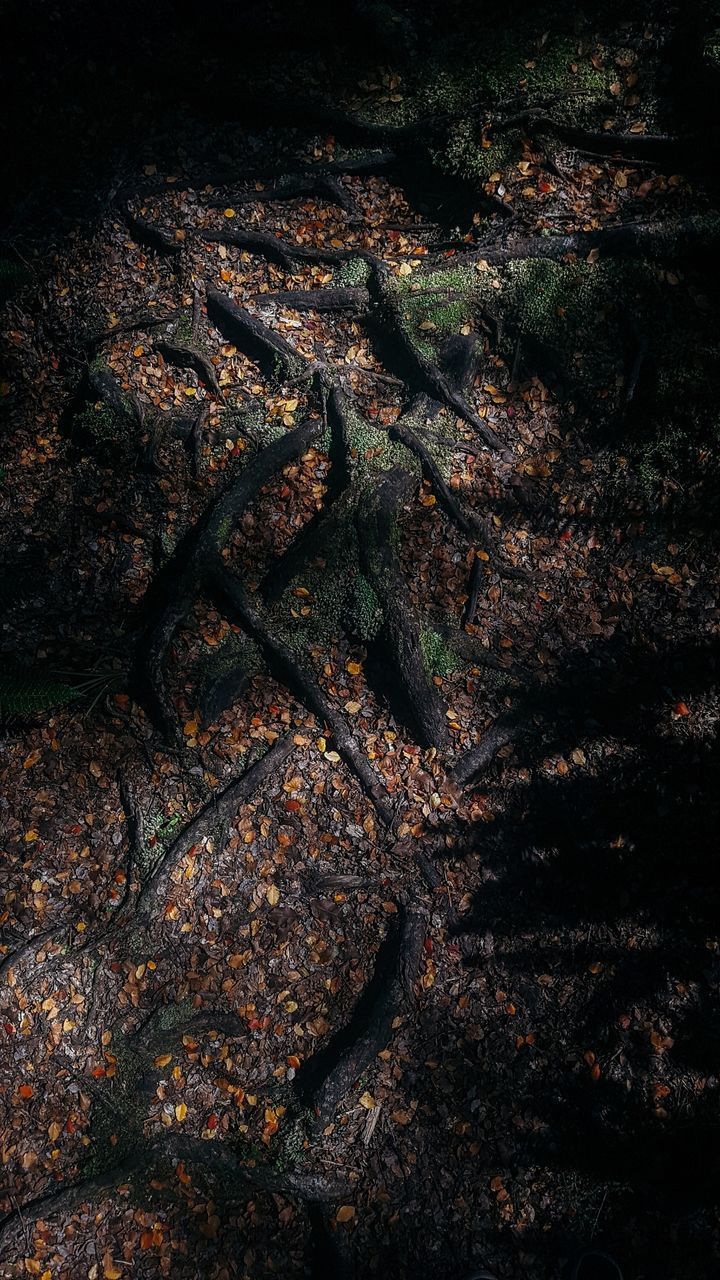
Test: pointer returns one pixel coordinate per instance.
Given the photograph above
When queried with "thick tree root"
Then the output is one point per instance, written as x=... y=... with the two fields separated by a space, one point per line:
x=354 y=298
x=687 y=237
x=188 y=357
x=504 y=730
x=178 y=584
x=282 y=659
x=329 y=1075
x=148 y=234
x=272 y=353
x=293 y=187
x=281 y=252
x=376 y=520
x=216 y=813
x=307 y=546
x=663 y=148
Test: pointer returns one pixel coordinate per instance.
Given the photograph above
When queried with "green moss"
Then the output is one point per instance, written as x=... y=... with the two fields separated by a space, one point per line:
x=438 y=657
x=103 y=425
x=353 y=273
x=366 y=611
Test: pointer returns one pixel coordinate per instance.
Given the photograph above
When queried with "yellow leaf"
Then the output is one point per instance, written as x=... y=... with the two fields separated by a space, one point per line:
x=163 y=1059
x=139 y=351
x=273 y=895
x=180 y=1111
x=405 y=269
x=367 y=1101
x=229 y=213
x=353 y=668
x=352 y=708
x=345 y=1213
x=30 y=836
x=189 y=391
x=54 y=1131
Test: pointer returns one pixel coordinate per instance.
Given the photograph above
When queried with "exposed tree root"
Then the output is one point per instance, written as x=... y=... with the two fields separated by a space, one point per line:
x=475 y=527
x=376 y=520
x=419 y=370
x=663 y=148
x=216 y=813
x=296 y=186
x=280 y=251
x=187 y=357
x=353 y=298
x=312 y=539
x=271 y=352
x=148 y=234
x=656 y=240
x=34 y=943
x=178 y=584
x=139 y=320
x=282 y=659
x=504 y=730
x=330 y=1074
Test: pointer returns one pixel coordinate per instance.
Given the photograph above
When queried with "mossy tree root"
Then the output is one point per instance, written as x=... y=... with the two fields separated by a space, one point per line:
x=416 y=368
x=376 y=521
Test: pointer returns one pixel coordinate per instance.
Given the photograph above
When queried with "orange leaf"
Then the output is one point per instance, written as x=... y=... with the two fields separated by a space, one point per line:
x=345 y=1213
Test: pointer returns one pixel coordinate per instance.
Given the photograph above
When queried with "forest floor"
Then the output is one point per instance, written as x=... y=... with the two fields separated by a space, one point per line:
x=552 y=1079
